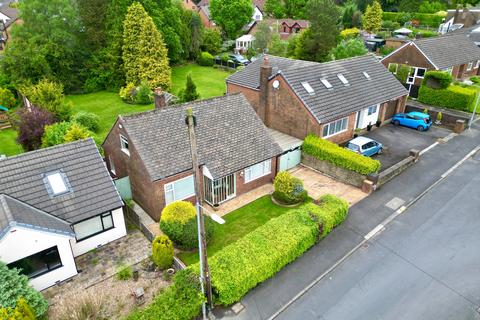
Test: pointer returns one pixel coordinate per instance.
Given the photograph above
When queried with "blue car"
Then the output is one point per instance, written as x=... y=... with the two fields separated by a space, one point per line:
x=365 y=146
x=416 y=120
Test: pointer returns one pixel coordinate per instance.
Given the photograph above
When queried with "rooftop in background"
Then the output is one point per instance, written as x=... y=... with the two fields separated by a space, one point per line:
x=11 y=13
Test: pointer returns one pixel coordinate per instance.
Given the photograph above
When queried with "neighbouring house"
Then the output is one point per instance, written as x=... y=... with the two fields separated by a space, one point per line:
x=460 y=18
x=454 y=53
x=473 y=33
x=55 y=204
x=235 y=150
x=203 y=9
x=8 y=17
x=244 y=43
x=330 y=99
x=285 y=27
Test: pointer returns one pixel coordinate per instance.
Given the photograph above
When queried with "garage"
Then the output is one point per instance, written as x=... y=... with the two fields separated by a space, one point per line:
x=292 y=153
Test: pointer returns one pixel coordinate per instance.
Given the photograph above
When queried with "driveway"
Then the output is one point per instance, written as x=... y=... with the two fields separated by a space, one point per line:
x=398 y=141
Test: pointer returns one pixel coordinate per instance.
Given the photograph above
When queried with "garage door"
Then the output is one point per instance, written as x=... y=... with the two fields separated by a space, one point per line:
x=290 y=159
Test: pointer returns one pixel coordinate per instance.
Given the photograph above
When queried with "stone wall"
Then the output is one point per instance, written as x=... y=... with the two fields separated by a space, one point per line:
x=448 y=118
x=395 y=170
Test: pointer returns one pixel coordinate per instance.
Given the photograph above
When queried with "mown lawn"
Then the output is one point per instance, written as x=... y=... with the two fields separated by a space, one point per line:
x=8 y=143
x=237 y=224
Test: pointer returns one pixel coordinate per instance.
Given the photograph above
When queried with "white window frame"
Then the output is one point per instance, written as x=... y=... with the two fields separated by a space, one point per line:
x=57 y=183
x=416 y=72
x=326 y=83
x=124 y=142
x=372 y=110
x=112 y=165
x=172 y=186
x=267 y=169
x=342 y=78
x=334 y=124
x=308 y=88
x=477 y=64
x=470 y=66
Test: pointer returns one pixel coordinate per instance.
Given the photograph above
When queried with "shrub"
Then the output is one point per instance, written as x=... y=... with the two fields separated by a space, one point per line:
x=211 y=41
x=162 y=252
x=77 y=132
x=127 y=93
x=181 y=301
x=402 y=73
x=288 y=189
x=349 y=33
x=205 y=59
x=55 y=134
x=179 y=223
x=7 y=98
x=330 y=212
x=437 y=79
x=31 y=126
x=328 y=151
x=48 y=95
x=475 y=79
x=390 y=25
x=21 y=312
x=124 y=272
x=143 y=94
x=14 y=286
x=454 y=97
x=87 y=119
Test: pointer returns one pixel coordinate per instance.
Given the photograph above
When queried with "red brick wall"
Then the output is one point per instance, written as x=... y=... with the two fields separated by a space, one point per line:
x=251 y=95
x=243 y=187
x=348 y=134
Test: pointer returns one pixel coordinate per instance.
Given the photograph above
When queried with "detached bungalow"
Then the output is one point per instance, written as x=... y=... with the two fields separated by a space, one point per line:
x=235 y=150
x=455 y=53
x=56 y=204
x=330 y=99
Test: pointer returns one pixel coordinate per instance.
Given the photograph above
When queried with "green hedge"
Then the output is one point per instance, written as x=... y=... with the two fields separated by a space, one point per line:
x=263 y=252
x=426 y=19
x=454 y=97
x=442 y=78
x=180 y=301
x=328 y=151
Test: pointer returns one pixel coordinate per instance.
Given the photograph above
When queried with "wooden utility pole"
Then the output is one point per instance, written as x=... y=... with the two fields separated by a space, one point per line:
x=202 y=245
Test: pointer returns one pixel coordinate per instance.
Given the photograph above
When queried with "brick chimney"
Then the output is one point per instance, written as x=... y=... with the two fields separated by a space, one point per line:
x=159 y=98
x=264 y=101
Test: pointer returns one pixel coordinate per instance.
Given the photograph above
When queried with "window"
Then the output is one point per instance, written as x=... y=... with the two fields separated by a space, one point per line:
x=57 y=183
x=326 y=83
x=93 y=226
x=372 y=110
x=180 y=189
x=366 y=75
x=112 y=165
x=124 y=145
x=421 y=72
x=477 y=64
x=335 y=127
x=308 y=87
x=470 y=66
x=258 y=170
x=343 y=79
x=38 y=263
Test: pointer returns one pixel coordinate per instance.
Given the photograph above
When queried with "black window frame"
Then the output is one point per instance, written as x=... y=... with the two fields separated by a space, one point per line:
x=44 y=253
x=101 y=216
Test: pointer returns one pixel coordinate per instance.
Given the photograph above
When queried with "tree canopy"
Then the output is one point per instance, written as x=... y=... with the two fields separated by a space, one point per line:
x=372 y=19
x=231 y=15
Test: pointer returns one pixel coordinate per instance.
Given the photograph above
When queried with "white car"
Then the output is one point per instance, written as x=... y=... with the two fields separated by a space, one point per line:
x=365 y=146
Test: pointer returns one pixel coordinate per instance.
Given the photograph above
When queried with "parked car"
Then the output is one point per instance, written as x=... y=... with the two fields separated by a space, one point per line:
x=238 y=58
x=365 y=146
x=417 y=120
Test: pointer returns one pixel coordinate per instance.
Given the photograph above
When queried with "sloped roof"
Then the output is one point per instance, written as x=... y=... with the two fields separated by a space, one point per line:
x=92 y=189
x=449 y=50
x=291 y=22
x=14 y=212
x=341 y=100
x=230 y=137
x=12 y=13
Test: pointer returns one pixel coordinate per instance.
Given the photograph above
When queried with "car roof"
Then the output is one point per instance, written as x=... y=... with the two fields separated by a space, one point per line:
x=360 y=140
x=418 y=114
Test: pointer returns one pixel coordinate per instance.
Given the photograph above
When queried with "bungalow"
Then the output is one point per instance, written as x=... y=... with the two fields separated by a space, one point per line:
x=56 y=204
x=454 y=52
x=235 y=150
x=330 y=99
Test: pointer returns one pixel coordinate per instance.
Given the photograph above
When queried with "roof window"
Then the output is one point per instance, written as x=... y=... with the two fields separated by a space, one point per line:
x=326 y=83
x=343 y=79
x=308 y=88
x=366 y=75
x=57 y=183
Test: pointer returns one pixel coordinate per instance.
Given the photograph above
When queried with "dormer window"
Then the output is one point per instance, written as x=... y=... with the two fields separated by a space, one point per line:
x=124 y=145
x=343 y=79
x=57 y=183
x=326 y=83
x=308 y=88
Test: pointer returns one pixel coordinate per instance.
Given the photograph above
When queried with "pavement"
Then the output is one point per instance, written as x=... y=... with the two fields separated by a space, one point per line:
x=266 y=299
x=398 y=141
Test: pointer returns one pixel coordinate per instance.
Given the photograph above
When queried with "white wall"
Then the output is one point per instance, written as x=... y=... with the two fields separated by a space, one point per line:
x=365 y=119
x=103 y=238
x=257 y=14
x=22 y=242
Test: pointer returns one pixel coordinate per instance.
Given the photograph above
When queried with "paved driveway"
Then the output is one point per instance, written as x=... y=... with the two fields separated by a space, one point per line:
x=398 y=141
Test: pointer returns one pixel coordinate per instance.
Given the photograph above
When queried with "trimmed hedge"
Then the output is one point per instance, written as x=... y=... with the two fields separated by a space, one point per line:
x=330 y=212
x=425 y=19
x=181 y=301
x=328 y=151
x=454 y=97
x=442 y=78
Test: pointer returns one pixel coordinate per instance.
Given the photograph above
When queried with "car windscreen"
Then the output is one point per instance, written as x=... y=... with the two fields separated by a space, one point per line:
x=353 y=147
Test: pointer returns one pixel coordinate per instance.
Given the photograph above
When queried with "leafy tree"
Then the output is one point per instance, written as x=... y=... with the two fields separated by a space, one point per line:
x=14 y=286
x=144 y=52
x=409 y=6
x=190 y=92
x=296 y=9
x=7 y=98
x=192 y=33
x=372 y=19
x=349 y=10
x=231 y=15
x=263 y=36
x=77 y=132
x=349 y=48
x=48 y=95
x=274 y=8
x=277 y=46
x=30 y=126
x=431 y=7
x=45 y=44
x=316 y=42
x=211 y=41
x=357 y=19
x=55 y=133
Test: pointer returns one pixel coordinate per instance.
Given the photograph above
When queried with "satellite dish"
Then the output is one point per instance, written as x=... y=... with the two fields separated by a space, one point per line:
x=276 y=84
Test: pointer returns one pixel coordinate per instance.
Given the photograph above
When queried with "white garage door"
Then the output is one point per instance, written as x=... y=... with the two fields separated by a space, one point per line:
x=290 y=159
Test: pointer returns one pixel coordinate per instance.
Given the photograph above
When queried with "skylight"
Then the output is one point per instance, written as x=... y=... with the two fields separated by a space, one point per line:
x=308 y=87
x=366 y=75
x=342 y=78
x=57 y=183
x=326 y=83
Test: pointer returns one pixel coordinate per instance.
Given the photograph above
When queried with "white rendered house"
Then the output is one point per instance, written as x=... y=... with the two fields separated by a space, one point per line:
x=56 y=204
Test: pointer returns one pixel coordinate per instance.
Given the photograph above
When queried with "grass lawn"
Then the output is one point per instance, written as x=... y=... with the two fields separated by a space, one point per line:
x=237 y=224
x=210 y=82
x=8 y=143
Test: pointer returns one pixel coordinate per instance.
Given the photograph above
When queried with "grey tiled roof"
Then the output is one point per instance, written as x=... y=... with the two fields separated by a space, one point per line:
x=92 y=189
x=449 y=50
x=12 y=13
x=230 y=137
x=17 y=213
x=325 y=104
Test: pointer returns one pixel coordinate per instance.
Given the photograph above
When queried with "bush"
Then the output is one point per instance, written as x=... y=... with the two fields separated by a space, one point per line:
x=48 y=95
x=31 y=126
x=124 y=272
x=181 y=301
x=211 y=41
x=55 y=134
x=390 y=25
x=127 y=93
x=87 y=119
x=402 y=72
x=454 y=97
x=14 y=286
x=330 y=212
x=162 y=252
x=143 y=94
x=437 y=79
x=179 y=223
x=205 y=59
x=475 y=79
x=349 y=33
x=7 y=98
x=425 y=19
x=77 y=132
x=288 y=189
x=328 y=151
x=21 y=312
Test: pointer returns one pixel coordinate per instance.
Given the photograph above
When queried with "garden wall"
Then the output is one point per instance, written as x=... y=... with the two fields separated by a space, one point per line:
x=449 y=117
